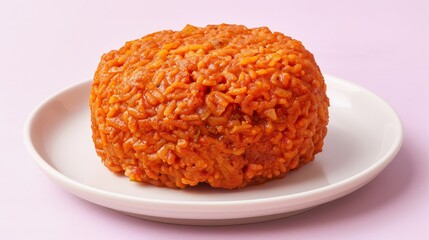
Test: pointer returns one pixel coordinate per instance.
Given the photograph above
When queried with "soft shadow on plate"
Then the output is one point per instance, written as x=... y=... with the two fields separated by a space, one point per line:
x=364 y=201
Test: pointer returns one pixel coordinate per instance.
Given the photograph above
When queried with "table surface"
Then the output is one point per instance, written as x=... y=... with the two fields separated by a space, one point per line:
x=381 y=45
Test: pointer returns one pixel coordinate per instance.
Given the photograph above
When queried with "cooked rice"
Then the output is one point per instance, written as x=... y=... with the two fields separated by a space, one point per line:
x=223 y=105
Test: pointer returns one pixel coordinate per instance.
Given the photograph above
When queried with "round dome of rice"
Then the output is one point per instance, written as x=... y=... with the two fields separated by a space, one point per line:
x=223 y=105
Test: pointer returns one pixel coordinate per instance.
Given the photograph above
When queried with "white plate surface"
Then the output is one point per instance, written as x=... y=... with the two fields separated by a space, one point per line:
x=364 y=136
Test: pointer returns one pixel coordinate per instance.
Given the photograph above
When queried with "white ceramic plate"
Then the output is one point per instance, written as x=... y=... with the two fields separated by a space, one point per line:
x=364 y=136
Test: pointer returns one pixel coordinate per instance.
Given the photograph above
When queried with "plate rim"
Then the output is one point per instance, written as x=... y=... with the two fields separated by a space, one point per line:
x=346 y=185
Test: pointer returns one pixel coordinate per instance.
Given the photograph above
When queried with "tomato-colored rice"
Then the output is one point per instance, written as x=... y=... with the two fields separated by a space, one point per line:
x=223 y=105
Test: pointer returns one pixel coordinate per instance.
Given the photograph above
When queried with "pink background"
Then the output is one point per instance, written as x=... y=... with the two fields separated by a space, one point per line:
x=46 y=46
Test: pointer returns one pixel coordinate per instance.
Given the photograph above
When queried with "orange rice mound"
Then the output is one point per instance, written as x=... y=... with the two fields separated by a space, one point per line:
x=224 y=105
